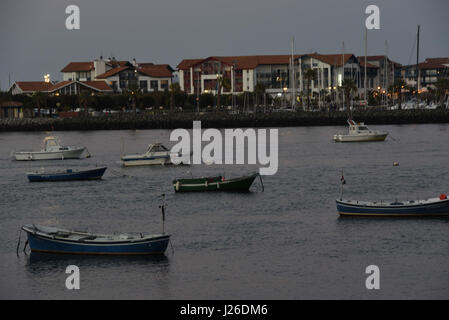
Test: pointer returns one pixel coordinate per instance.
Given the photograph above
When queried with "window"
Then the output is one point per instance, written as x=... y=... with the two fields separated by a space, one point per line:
x=164 y=85
x=154 y=85
x=143 y=84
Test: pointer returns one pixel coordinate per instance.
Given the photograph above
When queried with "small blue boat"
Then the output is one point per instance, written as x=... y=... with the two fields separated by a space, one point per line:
x=55 y=240
x=69 y=174
x=431 y=207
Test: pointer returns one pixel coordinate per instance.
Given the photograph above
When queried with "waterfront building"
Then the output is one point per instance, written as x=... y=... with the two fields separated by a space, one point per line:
x=387 y=71
x=14 y=109
x=240 y=73
x=148 y=77
x=429 y=72
x=330 y=71
x=243 y=73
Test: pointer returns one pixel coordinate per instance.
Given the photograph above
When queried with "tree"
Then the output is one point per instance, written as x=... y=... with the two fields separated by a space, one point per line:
x=442 y=85
x=348 y=86
x=175 y=89
x=259 y=90
x=84 y=99
x=38 y=100
x=134 y=94
x=398 y=85
x=222 y=83
x=309 y=75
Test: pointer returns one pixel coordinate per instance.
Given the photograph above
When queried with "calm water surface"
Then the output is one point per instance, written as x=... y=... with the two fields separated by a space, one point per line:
x=285 y=243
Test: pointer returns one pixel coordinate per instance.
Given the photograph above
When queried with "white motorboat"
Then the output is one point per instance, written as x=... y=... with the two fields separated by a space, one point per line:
x=52 y=150
x=156 y=154
x=359 y=132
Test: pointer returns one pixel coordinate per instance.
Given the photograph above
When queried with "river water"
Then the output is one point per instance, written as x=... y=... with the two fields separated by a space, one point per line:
x=284 y=243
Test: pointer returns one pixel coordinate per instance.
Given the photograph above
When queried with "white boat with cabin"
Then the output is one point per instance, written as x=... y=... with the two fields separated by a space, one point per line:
x=52 y=150
x=156 y=154
x=359 y=132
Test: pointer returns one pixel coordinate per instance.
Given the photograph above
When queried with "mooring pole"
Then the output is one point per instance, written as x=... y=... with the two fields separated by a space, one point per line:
x=163 y=213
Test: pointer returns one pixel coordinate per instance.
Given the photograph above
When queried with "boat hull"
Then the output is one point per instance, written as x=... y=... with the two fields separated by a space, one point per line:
x=145 y=161
x=436 y=208
x=94 y=174
x=359 y=138
x=157 y=245
x=54 y=155
x=214 y=184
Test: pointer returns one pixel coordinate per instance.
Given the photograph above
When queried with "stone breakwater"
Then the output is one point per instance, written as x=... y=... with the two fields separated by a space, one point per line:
x=223 y=120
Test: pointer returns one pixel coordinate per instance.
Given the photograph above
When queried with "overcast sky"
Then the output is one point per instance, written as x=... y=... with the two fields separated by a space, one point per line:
x=34 y=40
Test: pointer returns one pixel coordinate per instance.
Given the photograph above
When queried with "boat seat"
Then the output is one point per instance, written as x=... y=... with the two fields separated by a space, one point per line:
x=87 y=238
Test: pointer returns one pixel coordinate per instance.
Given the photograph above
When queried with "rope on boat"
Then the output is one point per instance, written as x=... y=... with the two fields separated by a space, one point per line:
x=171 y=245
x=260 y=178
x=18 y=243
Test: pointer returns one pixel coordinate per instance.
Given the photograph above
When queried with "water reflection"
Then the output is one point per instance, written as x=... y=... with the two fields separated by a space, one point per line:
x=43 y=263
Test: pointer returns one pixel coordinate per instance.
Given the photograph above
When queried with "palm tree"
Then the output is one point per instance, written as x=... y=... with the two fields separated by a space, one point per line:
x=259 y=90
x=309 y=75
x=398 y=85
x=442 y=85
x=175 y=89
x=84 y=99
x=133 y=93
x=348 y=86
x=222 y=83
x=38 y=99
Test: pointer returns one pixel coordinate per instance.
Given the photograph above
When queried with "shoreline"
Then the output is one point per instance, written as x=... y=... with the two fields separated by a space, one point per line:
x=224 y=120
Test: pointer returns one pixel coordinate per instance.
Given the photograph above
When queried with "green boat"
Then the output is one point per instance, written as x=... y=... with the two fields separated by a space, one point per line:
x=217 y=183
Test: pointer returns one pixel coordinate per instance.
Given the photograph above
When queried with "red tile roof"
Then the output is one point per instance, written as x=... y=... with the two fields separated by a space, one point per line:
x=78 y=66
x=438 y=60
x=241 y=62
x=368 y=65
x=32 y=86
x=332 y=59
x=98 y=85
x=11 y=104
x=160 y=70
x=115 y=63
x=112 y=72
x=59 y=85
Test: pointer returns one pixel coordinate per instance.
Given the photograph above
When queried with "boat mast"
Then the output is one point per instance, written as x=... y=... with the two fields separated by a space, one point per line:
x=365 y=80
x=162 y=207
x=293 y=96
x=343 y=69
x=417 y=65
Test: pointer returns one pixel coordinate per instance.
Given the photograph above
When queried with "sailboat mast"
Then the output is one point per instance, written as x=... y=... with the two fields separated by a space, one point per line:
x=293 y=75
x=343 y=68
x=365 y=80
x=417 y=63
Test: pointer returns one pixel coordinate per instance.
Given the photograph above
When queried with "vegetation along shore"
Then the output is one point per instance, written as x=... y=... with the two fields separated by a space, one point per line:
x=167 y=120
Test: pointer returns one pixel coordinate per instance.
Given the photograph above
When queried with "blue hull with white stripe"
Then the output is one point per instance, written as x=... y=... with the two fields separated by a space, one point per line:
x=94 y=174
x=54 y=242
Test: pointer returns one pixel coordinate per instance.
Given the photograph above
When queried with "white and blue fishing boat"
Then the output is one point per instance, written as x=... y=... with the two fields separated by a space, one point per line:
x=431 y=207
x=58 y=240
x=68 y=175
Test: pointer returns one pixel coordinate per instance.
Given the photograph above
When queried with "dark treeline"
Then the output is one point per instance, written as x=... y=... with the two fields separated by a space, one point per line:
x=167 y=120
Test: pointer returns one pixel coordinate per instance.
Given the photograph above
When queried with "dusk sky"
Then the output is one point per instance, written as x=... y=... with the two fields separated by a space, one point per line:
x=34 y=39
